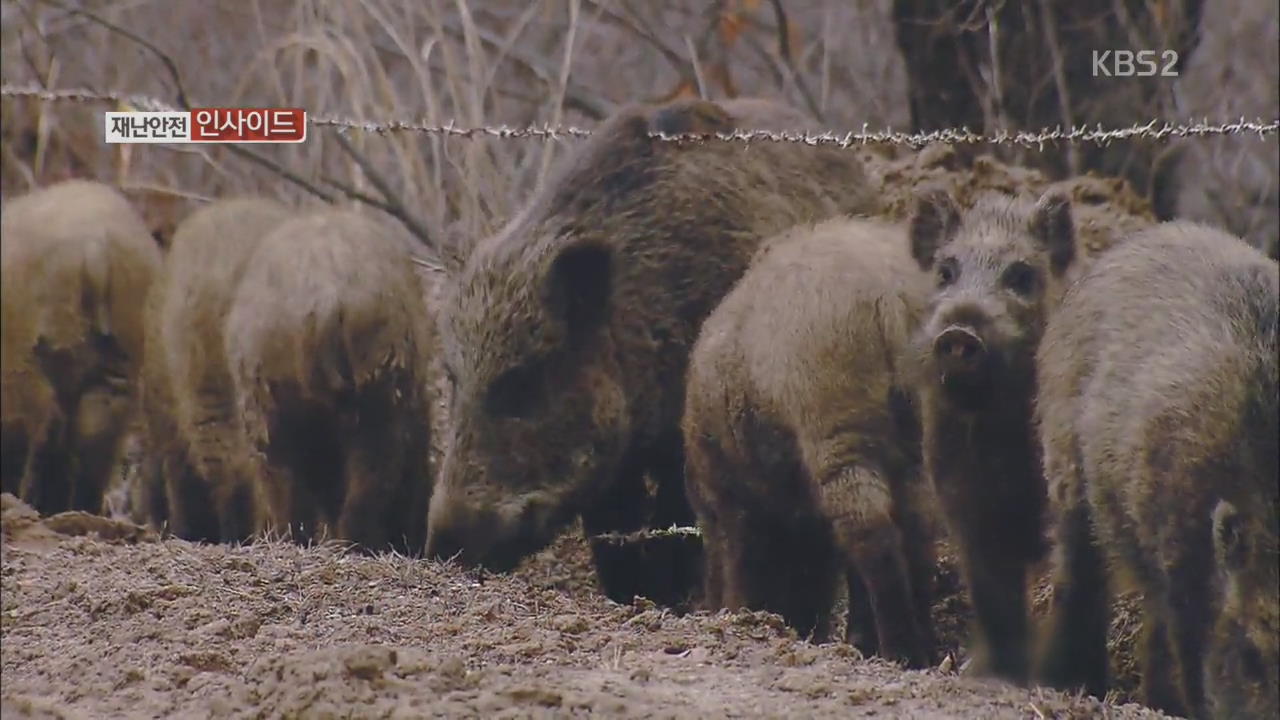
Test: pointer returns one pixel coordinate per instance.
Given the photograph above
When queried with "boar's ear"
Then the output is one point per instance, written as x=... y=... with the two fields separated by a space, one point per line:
x=691 y=117
x=1230 y=543
x=1052 y=226
x=936 y=217
x=579 y=285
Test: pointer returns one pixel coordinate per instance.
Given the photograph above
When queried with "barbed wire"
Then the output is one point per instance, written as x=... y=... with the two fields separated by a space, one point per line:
x=1153 y=129
x=614 y=538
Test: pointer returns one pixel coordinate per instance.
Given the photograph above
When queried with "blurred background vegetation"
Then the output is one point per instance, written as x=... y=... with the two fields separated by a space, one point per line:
x=905 y=64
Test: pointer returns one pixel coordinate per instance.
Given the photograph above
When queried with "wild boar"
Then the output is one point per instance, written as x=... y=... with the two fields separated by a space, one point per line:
x=77 y=264
x=195 y=437
x=566 y=335
x=1159 y=423
x=999 y=270
x=328 y=341
x=802 y=445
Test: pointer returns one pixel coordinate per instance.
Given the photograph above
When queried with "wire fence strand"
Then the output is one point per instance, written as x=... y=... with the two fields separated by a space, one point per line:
x=1153 y=129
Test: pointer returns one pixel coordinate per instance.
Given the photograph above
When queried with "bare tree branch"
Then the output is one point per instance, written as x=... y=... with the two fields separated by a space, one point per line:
x=1050 y=29
x=169 y=66
x=394 y=205
x=784 y=50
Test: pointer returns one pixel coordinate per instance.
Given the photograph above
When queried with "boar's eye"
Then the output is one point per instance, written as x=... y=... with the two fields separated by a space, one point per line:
x=948 y=271
x=1021 y=278
x=517 y=392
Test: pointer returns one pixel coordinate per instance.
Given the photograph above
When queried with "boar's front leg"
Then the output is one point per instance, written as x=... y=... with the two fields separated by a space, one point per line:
x=665 y=569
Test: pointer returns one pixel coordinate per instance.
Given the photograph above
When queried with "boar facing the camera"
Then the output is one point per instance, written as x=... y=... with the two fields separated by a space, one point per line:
x=999 y=269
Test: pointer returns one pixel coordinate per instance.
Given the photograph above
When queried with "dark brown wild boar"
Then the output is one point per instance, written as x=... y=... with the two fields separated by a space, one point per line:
x=328 y=341
x=803 y=450
x=1158 y=416
x=999 y=269
x=566 y=335
x=77 y=265
x=196 y=477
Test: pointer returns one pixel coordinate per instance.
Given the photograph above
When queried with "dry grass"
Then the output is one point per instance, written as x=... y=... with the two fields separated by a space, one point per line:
x=514 y=62
x=499 y=61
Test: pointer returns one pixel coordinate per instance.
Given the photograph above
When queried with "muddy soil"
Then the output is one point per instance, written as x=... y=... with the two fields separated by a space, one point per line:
x=101 y=619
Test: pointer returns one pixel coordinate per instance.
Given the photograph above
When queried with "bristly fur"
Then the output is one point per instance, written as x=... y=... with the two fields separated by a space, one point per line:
x=77 y=264
x=1158 y=417
x=802 y=447
x=328 y=341
x=648 y=235
x=195 y=481
x=978 y=443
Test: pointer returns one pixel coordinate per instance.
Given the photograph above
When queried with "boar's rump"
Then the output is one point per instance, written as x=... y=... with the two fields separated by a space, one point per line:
x=77 y=263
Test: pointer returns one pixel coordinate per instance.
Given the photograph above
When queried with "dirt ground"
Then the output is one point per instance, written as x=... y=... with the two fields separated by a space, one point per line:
x=100 y=619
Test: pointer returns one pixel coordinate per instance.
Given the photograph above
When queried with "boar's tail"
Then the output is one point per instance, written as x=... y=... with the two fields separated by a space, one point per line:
x=95 y=286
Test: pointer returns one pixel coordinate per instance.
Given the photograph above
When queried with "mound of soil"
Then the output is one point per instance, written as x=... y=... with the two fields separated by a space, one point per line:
x=99 y=622
x=1104 y=208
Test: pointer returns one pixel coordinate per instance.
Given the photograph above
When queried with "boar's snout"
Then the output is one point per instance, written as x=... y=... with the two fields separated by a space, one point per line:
x=491 y=538
x=445 y=544
x=959 y=350
x=463 y=534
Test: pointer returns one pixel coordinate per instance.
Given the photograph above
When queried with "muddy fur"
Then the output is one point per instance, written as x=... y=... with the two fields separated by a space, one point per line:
x=195 y=476
x=566 y=335
x=802 y=446
x=77 y=264
x=998 y=271
x=328 y=342
x=1158 y=412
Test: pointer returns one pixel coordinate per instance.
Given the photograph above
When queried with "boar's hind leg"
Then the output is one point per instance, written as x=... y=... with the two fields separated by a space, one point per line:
x=191 y=513
x=374 y=463
x=1189 y=621
x=858 y=501
x=46 y=481
x=14 y=446
x=1158 y=664
x=1075 y=652
x=101 y=418
x=860 y=631
x=237 y=510
x=784 y=565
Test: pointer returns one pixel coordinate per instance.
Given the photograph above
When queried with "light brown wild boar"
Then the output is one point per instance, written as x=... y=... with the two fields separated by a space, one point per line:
x=566 y=335
x=77 y=265
x=802 y=445
x=328 y=340
x=999 y=271
x=1159 y=421
x=196 y=474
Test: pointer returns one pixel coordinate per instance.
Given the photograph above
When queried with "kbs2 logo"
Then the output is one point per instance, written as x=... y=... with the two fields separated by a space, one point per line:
x=1127 y=63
